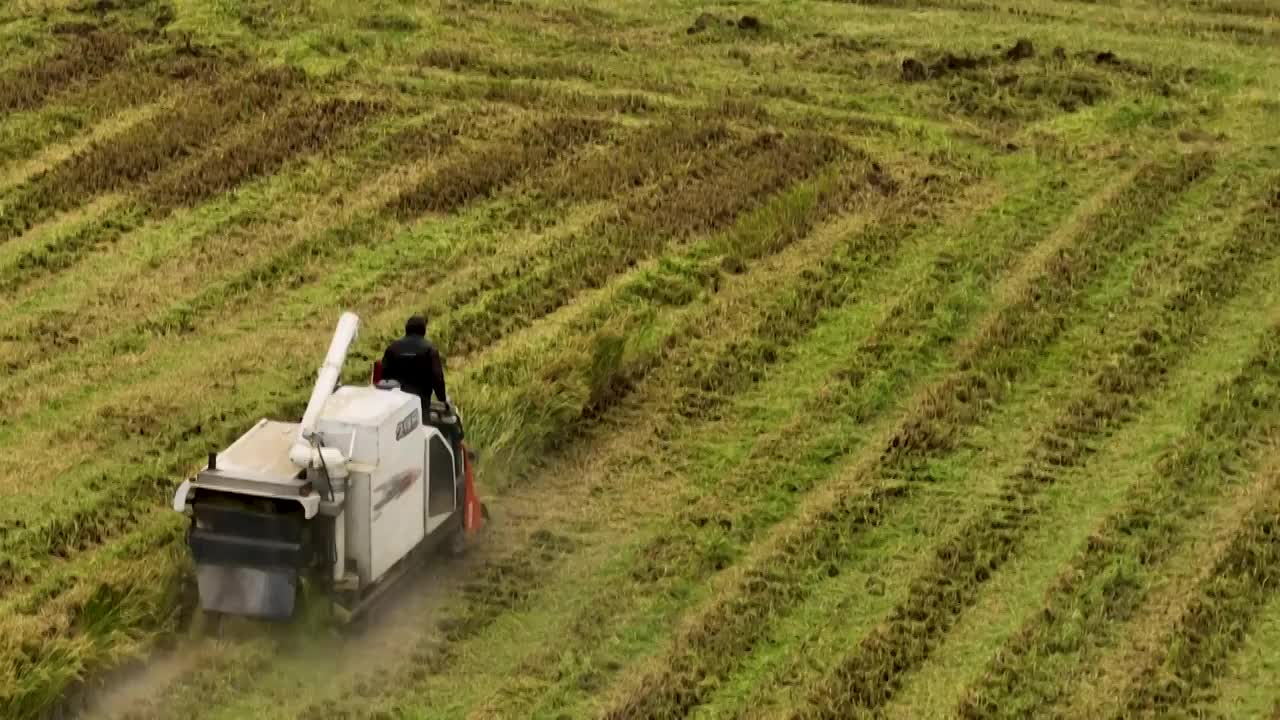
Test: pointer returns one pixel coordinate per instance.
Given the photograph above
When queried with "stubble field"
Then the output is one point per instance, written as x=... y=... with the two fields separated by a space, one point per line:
x=908 y=358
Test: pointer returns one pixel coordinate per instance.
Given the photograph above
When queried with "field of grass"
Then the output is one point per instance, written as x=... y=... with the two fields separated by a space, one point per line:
x=875 y=358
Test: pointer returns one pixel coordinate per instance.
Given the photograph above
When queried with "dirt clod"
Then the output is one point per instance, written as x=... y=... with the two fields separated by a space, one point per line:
x=1022 y=50
x=913 y=70
x=951 y=62
x=749 y=22
x=1106 y=57
x=704 y=21
x=1196 y=135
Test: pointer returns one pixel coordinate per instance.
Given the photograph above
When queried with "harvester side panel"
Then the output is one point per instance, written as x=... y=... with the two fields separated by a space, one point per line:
x=397 y=489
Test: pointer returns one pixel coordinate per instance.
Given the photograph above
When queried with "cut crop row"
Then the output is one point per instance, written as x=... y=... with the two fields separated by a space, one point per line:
x=142 y=150
x=146 y=77
x=909 y=341
x=458 y=59
x=299 y=129
x=868 y=677
x=1001 y=353
x=1152 y=522
x=685 y=347
x=74 y=531
x=475 y=176
x=215 y=300
x=83 y=56
x=1217 y=620
x=383 y=158
x=1103 y=588
x=706 y=200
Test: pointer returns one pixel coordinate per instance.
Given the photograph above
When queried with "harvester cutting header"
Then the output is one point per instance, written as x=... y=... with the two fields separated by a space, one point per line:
x=371 y=479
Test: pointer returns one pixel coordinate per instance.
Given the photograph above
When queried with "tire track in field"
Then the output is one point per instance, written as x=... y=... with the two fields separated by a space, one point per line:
x=774 y=578
x=868 y=678
x=1151 y=527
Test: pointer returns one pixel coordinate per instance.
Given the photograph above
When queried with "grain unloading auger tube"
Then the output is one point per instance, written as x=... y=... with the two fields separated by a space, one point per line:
x=368 y=483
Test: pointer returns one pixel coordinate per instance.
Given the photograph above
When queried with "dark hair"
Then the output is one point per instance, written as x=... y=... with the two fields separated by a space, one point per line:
x=416 y=325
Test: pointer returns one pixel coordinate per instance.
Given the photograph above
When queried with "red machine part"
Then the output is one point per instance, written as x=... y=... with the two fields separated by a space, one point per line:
x=474 y=518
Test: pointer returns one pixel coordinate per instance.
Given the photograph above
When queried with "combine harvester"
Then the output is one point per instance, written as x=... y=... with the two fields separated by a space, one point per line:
x=362 y=490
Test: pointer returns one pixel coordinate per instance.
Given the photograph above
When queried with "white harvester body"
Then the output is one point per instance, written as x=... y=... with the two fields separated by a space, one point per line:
x=364 y=482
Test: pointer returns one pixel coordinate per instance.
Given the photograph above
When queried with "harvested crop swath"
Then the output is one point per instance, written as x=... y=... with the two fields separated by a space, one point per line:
x=866 y=679
x=1001 y=354
x=1099 y=591
x=1151 y=527
x=543 y=97
x=705 y=200
x=459 y=59
x=1243 y=580
x=597 y=172
x=220 y=292
x=475 y=176
x=84 y=56
x=748 y=497
x=140 y=151
x=602 y=373
x=642 y=158
x=301 y=128
x=919 y=328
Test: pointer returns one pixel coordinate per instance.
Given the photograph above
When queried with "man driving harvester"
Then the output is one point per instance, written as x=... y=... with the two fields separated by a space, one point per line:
x=414 y=363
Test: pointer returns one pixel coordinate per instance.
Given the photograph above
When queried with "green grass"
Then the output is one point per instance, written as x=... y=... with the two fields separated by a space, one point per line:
x=765 y=330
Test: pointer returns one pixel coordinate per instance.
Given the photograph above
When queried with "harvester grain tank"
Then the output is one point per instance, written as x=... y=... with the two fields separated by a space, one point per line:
x=368 y=484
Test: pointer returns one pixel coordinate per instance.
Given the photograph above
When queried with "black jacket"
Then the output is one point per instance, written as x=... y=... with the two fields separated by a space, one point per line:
x=414 y=362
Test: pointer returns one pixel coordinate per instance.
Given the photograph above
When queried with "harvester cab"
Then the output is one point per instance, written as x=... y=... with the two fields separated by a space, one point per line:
x=366 y=486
